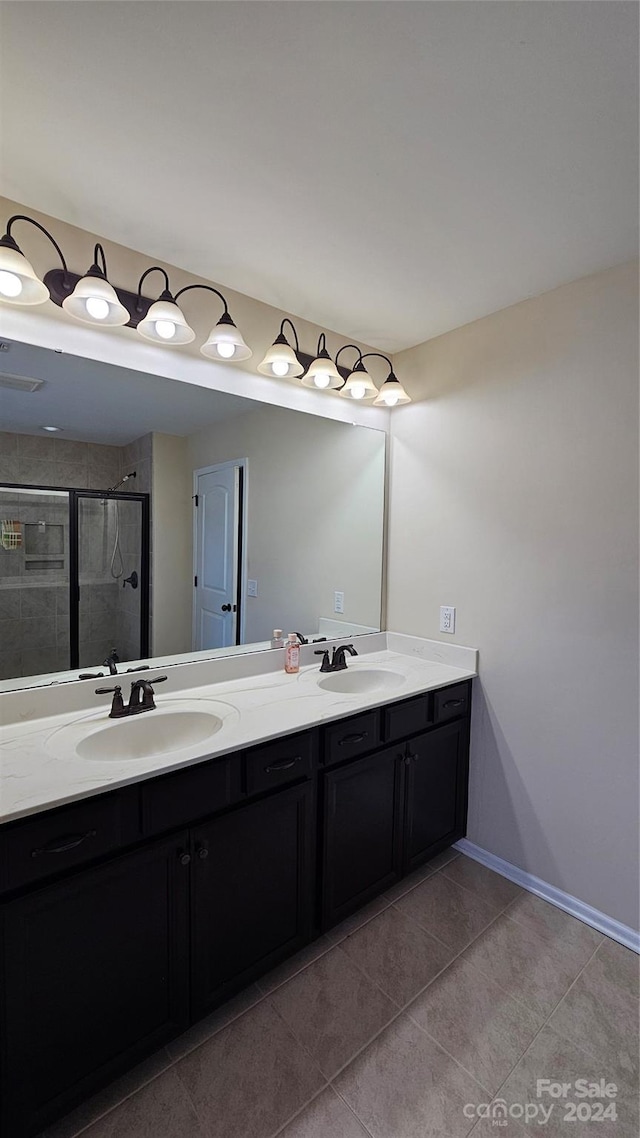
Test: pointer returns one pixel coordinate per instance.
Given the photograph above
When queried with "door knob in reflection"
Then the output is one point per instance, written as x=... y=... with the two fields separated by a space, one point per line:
x=228 y=608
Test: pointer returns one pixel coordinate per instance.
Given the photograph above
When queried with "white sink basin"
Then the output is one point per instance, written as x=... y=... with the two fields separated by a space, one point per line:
x=175 y=725
x=355 y=680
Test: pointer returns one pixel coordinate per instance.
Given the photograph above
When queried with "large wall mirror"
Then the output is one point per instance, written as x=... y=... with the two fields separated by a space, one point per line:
x=163 y=521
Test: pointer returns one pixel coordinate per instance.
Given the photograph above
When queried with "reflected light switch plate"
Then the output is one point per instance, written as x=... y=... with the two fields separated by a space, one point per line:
x=252 y=588
x=338 y=601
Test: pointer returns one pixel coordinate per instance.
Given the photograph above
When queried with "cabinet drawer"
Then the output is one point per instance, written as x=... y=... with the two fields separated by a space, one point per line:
x=49 y=843
x=451 y=702
x=287 y=760
x=177 y=799
x=351 y=737
x=407 y=718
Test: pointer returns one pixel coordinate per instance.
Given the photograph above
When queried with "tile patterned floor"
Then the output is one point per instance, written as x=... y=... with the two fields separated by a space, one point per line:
x=452 y=990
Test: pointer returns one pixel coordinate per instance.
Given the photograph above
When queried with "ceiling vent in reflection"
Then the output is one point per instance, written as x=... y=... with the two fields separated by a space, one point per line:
x=21 y=383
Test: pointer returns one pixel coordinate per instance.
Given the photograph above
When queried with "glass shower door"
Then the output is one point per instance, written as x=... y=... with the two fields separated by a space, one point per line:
x=112 y=585
x=34 y=581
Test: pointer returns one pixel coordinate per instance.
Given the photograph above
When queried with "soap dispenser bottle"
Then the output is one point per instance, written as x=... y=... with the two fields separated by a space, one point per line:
x=292 y=654
x=277 y=640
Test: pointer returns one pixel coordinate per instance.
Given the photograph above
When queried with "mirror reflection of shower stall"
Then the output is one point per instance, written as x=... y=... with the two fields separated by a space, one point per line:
x=74 y=578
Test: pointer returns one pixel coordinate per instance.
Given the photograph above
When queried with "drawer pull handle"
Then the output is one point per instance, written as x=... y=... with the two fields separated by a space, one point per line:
x=283 y=765
x=203 y=851
x=453 y=703
x=183 y=857
x=348 y=740
x=61 y=845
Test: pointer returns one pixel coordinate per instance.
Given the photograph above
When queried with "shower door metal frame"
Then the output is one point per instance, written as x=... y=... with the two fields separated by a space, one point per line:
x=74 y=565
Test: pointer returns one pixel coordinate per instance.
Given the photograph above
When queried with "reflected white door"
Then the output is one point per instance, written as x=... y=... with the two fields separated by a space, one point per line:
x=217 y=554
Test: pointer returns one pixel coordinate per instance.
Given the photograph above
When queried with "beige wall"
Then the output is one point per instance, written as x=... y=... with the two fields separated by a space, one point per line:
x=514 y=497
x=315 y=515
x=171 y=544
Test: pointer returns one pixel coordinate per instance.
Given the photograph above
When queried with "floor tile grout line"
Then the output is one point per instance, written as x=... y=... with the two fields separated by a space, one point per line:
x=302 y=968
x=547 y=1024
x=477 y=894
x=292 y=1117
x=354 y=1113
x=452 y=1057
x=109 y=1110
x=518 y=1000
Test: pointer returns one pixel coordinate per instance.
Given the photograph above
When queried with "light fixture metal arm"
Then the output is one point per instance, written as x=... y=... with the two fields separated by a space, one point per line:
x=11 y=242
x=153 y=269
x=99 y=252
x=292 y=327
x=342 y=349
x=207 y=288
x=380 y=356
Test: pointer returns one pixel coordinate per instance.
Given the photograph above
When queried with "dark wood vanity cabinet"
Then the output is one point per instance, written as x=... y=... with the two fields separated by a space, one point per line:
x=252 y=892
x=128 y=916
x=362 y=832
x=388 y=812
x=95 y=977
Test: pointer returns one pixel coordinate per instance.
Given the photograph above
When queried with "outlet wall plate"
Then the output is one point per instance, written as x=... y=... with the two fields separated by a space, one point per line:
x=447 y=618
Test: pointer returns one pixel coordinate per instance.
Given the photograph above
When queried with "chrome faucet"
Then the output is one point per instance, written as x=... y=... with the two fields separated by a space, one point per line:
x=337 y=662
x=140 y=698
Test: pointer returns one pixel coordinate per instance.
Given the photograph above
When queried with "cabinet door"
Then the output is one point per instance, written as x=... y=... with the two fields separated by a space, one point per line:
x=252 y=892
x=94 y=978
x=362 y=814
x=435 y=792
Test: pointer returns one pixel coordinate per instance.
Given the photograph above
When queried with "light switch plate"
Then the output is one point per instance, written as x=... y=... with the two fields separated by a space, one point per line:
x=447 y=618
x=338 y=601
x=252 y=588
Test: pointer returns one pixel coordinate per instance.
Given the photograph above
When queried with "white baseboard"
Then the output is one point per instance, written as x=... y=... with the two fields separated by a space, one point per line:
x=600 y=921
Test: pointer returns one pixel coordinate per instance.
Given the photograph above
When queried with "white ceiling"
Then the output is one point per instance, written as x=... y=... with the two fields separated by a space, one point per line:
x=388 y=170
x=99 y=403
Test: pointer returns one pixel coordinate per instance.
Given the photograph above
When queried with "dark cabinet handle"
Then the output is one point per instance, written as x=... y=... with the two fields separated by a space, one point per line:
x=183 y=857
x=202 y=851
x=61 y=845
x=349 y=740
x=453 y=703
x=283 y=764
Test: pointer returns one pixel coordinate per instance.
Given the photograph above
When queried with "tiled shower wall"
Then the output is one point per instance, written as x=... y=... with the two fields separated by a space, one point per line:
x=34 y=620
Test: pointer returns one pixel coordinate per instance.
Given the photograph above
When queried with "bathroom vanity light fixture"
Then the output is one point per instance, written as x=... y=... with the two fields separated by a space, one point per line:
x=19 y=282
x=392 y=393
x=281 y=361
x=92 y=299
x=164 y=322
x=359 y=384
x=322 y=372
x=224 y=341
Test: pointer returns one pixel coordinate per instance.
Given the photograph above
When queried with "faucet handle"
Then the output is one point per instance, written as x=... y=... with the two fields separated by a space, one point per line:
x=117 y=704
x=325 y=665
x=158 y=680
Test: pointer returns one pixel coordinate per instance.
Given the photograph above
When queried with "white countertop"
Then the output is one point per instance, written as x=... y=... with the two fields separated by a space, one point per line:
x=40 y=768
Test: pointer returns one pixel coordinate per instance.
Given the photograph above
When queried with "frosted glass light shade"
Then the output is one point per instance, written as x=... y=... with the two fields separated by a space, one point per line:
x=281 y=362
x=225 y=342
x=94 y=301
x=392 y=394
x=322 y=374
x=165 y=323
x=19 y=283
x=359 y=386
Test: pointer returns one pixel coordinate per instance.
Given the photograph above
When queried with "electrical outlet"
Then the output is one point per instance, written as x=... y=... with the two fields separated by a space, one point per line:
x=338 y=601
x=252 y=588
x=447 y=618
